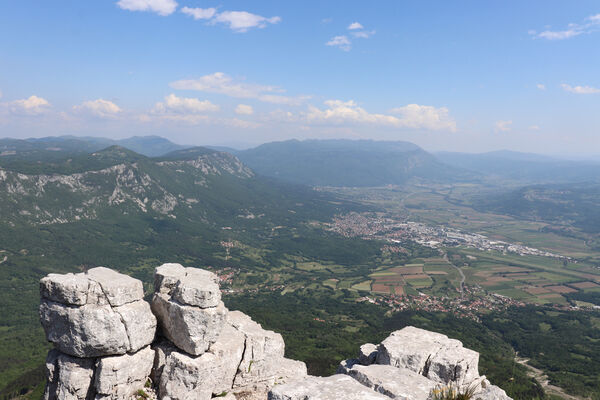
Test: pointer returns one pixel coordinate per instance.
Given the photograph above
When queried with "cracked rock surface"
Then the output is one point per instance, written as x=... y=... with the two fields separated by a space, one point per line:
x=97 y=313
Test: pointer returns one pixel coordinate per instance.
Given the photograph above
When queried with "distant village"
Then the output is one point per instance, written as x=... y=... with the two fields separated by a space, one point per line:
x=383 y=227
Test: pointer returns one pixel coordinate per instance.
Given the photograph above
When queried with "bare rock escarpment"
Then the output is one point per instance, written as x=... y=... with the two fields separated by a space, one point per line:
x=411 y=363
x=186 y=345
x=112 y=344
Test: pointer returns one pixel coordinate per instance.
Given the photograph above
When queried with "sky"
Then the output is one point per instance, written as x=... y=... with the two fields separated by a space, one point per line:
x=463 y=75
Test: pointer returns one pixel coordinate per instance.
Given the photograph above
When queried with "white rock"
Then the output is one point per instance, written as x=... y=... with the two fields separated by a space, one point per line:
x=87 y=331
x=263 y=352
x=118 y=288
x=490 y=392
x=290 y=371
x=186 y=377
x=65 y=288
x=228 y=350
x=198 y=288
x=192 y=329
x=367 y=354
x=334 y=387
x=119 y=377
x=139 y=322
x=430 y=354
x=166 y=277
x=397 y=383
x=69 y=378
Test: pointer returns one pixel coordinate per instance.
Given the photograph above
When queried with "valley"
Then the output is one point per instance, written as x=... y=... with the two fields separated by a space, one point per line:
x=302 y=260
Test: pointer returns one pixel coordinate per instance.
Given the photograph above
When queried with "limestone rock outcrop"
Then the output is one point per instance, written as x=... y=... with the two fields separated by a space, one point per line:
x=97 y=313
x=410 y=364
x=102 y=330
x=208 y=350
x=187 y=302
x=104 y=334
x=110 y=344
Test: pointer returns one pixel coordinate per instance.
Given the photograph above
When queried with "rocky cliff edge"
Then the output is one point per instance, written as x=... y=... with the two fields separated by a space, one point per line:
x=110 y=344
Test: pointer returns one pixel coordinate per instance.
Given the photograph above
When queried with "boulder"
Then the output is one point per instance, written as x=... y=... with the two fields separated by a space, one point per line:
x=430 y=354
x=367 y=354
x=118 y=288
x=166 y=277
x=87 y=331
x=228 y=350
x=192 y=329
x=69 y=289
x=97 y=313
x=69 y=378
x=186 y=377
x=397 y=383
x=334 y=387
x=490 y=392
x=119 y=377
x=198 y=288
x=263 y=351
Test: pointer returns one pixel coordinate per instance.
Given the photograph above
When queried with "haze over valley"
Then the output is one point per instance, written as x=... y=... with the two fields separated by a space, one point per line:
x=343 y=173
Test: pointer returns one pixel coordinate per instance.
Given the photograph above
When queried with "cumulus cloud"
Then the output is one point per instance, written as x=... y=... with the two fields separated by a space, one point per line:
x=541 y=86
x=341 y=41
x=244 y=109
x=241 y=21
x=363 y=34
x=184 y=105
x=160 y=7
x=426 y=117
x=534 y=128
x=222 y=83
x=199 y=13
x=344 y=43
x=411 y=116
x=580 y=89
x=31 y=105
x=99 y=108
x=503 y=126
x=589 y=25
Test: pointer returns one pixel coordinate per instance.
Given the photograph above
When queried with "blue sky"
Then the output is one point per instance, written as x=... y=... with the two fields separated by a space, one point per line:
x=447 y=75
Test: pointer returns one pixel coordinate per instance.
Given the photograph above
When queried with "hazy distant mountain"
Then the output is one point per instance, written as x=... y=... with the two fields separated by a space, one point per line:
x=347 y=162
x=54 y=148
x=524 y=167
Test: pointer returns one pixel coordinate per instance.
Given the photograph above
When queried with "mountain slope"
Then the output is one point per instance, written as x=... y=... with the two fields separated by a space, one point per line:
x=48 y=149
x=346 y=162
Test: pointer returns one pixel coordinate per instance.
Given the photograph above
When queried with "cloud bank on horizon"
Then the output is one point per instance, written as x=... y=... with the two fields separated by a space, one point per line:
x=257 y=72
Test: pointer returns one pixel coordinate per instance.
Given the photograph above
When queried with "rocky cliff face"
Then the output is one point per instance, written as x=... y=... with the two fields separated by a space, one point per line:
x=111 y=344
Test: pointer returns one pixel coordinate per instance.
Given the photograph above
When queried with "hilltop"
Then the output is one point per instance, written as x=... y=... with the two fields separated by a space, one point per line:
x=348 y=163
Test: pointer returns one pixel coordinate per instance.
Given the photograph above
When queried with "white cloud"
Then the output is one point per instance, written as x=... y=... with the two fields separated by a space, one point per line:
x=341 y=41
x=161 y=7
x=32 y=105
x=541 y=86
x=184 y=105
x=241 y=21
x=222 y=83
x=99 y=108
x=589 y=25
x=363 y=34
x=355 y=25
x=199 y=13
x=244 y=109
x=426 y=117
x=534 y=128
x=411 y=116
x=503 y=126
x=580 y=89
